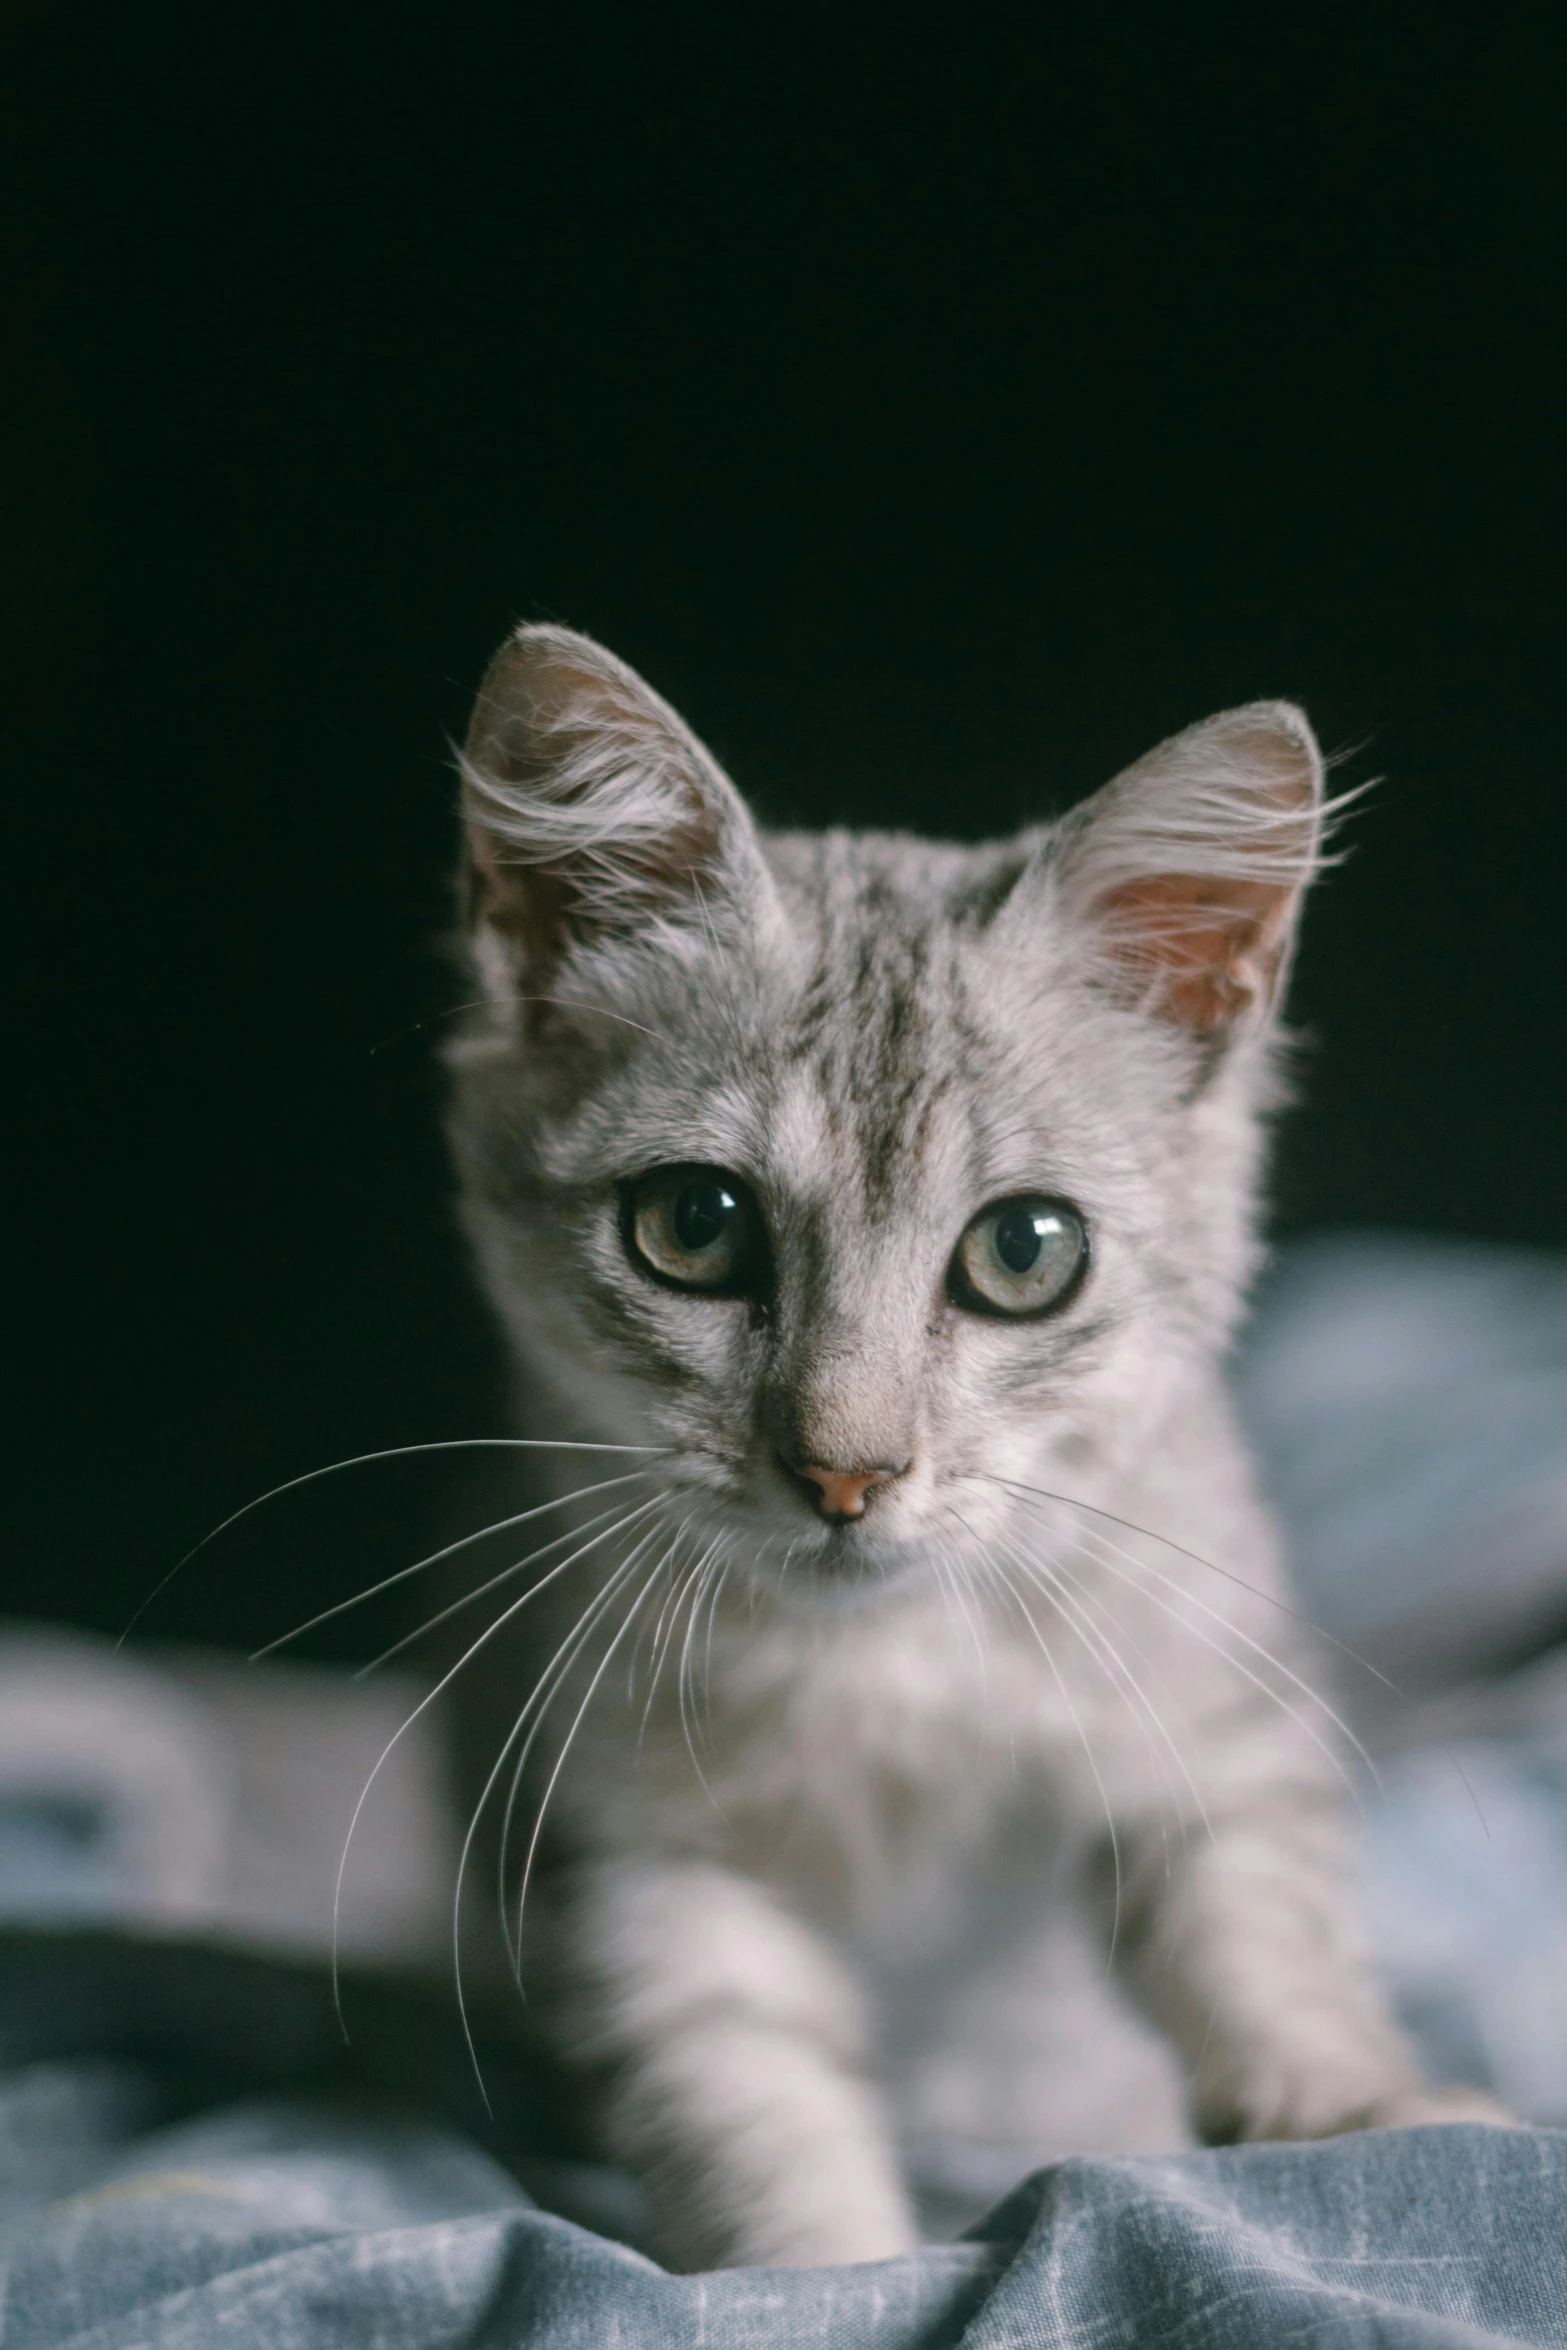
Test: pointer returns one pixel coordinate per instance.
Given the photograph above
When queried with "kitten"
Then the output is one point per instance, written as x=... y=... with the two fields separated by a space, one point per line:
x=890 y=1204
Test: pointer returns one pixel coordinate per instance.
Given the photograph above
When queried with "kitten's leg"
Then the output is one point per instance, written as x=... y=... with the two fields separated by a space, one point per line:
x=1247 y=1951
x=733 y=2042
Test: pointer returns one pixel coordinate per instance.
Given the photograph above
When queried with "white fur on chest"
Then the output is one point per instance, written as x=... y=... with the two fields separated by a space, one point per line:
x=866 y=1762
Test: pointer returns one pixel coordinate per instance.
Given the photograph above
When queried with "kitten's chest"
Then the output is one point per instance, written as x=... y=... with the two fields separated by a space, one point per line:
x=876 y=1772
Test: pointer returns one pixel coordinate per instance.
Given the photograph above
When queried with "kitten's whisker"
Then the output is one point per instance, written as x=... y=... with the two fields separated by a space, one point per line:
x=679 y=1585
x=1100 y=1645
x=707 y=1599
x=707 y=1659
x=1059 y=1602
x=540 y=1701
x=546 y=1689
x=1083 y=1738
x=646 y=1637
x=1087 y=1600
x=952 y=1551
x=671 y=1599
x=942 y=1584
x=1275 y=1697
x=684 y=1667
x=1130 y=1526
x=951 y=1567
x=500 y=1526
x=1093 y=1765
x=481 y=1590
x=1105 y=1549
x=560 y=1759
x=1330 y=1638
x=422 y=1708
x=597 y=1603
x=981 y=1651
x=680 y=1692
x=360 y=1460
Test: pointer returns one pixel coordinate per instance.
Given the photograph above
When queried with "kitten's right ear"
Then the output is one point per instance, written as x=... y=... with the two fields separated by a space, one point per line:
x=593 y=813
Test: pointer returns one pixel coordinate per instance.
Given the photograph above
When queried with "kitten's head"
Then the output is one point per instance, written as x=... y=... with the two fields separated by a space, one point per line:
x=862 y=1172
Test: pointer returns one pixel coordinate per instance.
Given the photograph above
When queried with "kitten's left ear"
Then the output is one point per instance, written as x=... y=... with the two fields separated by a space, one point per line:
x=594 y=815
x=1191 y=865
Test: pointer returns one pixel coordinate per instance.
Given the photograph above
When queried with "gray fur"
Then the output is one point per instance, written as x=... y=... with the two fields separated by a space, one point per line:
x=804 y=1756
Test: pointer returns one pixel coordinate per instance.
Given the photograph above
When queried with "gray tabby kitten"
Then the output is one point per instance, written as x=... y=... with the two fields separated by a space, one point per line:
x=891 y=1205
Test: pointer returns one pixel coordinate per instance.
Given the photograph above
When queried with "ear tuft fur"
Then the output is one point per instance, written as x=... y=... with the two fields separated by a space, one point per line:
x=1192 y=864
x=593 y=812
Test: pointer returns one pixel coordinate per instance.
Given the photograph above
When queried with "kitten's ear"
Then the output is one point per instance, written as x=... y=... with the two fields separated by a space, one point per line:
x=1191 y=865
x=593 y=813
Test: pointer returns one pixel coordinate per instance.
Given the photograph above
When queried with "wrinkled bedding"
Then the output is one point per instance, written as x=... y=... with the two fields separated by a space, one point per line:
x=302 y=2226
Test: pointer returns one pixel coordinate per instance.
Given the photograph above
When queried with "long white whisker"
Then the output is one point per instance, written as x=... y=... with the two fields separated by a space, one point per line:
x=679 y=1585
x=958 y=1571
x=1066 y=1699
x=1147 y=1534
x=546 y=1689
x=1078 y=1600
x=479 y=1591
x=1331 y=1639
x=424 y=1706
x=1058 y=1599
x=950 y=1548
x=465 y=1542
x=1085 y=1605
x=552 y=1679
x=560 y=1759
x=707 y=1656
x=684 y=1665
x=681 y=1676
x=945 y=1583
x=594 y=1608
x=655 y=1651
x=1104 y=1549
x=360 y=1460
x=1239 y=1665
x=707 y=1594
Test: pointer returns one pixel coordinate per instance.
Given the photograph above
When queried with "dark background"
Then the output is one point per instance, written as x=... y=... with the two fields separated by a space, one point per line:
x=938 y=416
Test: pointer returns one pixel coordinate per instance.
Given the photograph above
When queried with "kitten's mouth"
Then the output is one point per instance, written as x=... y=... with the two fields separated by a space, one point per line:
x=841 y=1559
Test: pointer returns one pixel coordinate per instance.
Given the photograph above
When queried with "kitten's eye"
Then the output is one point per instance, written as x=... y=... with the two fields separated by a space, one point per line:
x=698 y=1228
x=1020 y=1256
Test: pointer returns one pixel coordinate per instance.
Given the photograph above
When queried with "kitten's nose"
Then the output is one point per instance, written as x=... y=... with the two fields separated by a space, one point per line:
x=840 y=1493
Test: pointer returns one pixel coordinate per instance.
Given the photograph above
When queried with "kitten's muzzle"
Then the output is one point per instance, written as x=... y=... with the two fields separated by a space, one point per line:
x=838 y=1494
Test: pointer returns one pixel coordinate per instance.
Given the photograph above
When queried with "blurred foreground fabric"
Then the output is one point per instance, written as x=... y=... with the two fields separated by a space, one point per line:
x=296 y=2226
x=188 y=2151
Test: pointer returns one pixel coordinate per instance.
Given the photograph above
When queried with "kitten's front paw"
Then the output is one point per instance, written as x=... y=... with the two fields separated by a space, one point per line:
x=1279 y=2103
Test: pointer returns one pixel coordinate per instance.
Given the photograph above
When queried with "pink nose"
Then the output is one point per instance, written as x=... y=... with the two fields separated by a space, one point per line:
x=840 y=1493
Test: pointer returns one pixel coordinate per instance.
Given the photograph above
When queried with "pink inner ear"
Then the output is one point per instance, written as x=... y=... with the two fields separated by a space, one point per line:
x=554 y=730
x=1208 y=944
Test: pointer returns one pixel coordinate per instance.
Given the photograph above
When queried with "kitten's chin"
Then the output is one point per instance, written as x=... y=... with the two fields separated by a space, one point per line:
x=840 y=1567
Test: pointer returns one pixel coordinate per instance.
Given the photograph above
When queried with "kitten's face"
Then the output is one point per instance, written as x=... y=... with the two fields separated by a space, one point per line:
x=872 y=1178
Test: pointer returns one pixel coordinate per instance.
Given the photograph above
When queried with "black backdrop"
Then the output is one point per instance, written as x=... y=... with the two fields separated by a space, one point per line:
x=938 y=418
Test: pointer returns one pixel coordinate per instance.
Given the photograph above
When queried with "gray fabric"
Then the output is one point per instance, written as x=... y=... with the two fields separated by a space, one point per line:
x=300 y=2227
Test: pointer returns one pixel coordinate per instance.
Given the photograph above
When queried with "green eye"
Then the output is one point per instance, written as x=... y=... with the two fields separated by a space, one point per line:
x=1020 y=1256
x=696 y=1228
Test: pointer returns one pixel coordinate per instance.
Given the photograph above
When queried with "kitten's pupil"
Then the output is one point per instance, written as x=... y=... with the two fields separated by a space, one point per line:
x=700 y=1214
x=1019 y=1238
